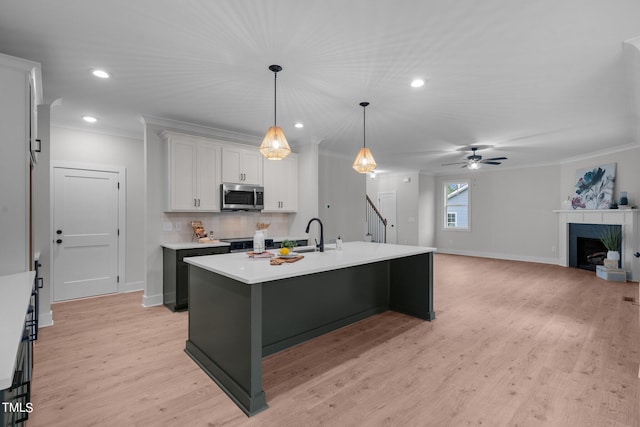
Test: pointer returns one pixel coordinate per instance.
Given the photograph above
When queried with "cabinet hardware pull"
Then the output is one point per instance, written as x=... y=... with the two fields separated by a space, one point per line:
x=59 y=241
x=194 y=203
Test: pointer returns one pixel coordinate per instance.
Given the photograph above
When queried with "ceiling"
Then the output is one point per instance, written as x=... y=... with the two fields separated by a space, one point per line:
x=535 y=81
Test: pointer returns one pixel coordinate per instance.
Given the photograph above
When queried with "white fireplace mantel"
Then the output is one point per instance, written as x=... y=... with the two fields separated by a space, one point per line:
x=627 y=218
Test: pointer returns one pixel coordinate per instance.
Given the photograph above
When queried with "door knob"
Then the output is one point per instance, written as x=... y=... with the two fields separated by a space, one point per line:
x=59 y=241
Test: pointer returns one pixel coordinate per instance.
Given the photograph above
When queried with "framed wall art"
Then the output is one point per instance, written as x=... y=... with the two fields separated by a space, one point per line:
x=594 y=187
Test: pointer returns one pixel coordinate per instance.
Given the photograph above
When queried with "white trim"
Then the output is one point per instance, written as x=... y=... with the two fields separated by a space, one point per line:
x=201 y=130
x=120 y=133
x=627 y=218
x=122 y=216
x=45 y=320
x=152 y=301
x=495 y=255
x=603 y=152
x=446 y=197
x=131 y=287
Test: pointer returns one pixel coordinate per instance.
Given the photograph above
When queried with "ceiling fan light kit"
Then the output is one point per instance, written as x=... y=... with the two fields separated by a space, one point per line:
x=364 y=161
x=475 y=161
x=274 y=145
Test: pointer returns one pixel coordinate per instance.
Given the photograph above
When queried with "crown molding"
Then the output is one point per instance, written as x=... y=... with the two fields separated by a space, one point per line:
x=200 y=130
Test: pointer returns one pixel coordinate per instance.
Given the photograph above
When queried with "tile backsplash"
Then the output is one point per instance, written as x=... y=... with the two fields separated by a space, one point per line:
x=225 y=225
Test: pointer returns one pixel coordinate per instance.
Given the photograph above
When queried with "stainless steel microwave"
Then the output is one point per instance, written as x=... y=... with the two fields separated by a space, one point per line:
x=241 y=197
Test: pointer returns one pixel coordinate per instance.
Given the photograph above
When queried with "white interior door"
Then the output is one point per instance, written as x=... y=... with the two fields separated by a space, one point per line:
x=85 y=233
x=387 y=206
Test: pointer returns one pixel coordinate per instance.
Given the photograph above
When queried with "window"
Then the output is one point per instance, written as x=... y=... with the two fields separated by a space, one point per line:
x=452 y=219
x=456 y=203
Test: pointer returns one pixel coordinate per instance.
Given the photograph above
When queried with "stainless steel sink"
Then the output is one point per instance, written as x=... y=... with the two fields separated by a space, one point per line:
x=305 y=250
x=302 y=251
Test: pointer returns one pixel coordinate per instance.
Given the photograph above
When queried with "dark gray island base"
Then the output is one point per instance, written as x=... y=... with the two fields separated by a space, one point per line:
x=232 y=324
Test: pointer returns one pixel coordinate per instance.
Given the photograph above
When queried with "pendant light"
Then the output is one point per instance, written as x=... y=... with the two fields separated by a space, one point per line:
x=364 y=161
x=274 y=145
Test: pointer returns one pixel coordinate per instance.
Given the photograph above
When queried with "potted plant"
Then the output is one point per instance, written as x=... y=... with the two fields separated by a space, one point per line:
x=611 y=238
x=286 y=247
x=289 y=244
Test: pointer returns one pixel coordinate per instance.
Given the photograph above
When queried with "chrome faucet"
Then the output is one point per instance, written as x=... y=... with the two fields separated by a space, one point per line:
x=319 y=246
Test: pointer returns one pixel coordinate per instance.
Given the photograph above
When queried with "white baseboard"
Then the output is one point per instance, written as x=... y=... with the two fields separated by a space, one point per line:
x=132 y=287
x=151 y=301
x=509 y=257
x=45 y=319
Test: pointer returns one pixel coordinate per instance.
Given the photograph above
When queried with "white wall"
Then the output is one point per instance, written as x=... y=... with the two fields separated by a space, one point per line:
x=341 y=198
x=92 y=148
x=627 y=173
x=155 y=178
x=426 y=211
x=511 y=214
x=407 y=189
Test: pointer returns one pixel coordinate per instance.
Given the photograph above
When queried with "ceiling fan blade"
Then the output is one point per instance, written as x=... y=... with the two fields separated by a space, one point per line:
x=498 y=158
x=456 y=163
x=485 y=162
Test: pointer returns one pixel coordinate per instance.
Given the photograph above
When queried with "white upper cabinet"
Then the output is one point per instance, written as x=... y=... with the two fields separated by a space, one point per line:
x=280 y=180
x=193 y=173
x=20 y=86
x=241 y=165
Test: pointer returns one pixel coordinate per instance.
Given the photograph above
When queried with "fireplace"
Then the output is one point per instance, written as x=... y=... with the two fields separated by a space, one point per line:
x=586 y=251
x=627 y=219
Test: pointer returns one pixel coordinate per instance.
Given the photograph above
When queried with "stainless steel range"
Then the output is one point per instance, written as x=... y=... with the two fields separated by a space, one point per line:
x=245 y=244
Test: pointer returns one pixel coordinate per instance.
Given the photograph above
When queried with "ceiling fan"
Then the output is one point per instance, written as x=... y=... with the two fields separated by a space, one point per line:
x=475 y=160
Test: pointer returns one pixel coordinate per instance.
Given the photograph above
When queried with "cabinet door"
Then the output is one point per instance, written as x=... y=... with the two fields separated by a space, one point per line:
x=271 y=185
x=251 y=167
x=14 y=169
x=241 y=166
x=231 y=165
x=280 y=180
x=182 y=175
x=208 y=188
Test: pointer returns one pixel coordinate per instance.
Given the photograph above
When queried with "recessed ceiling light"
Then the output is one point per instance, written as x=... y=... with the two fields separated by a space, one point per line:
x=101 y=74
x=417 y=83
x=298 y=125
x=89 y=119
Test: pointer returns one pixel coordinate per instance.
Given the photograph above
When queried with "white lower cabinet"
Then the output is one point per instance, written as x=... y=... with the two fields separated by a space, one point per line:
x=280 y=181
x=193 y=173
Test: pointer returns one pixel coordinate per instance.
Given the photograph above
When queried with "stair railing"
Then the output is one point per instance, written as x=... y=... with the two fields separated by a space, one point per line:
x=376 y=223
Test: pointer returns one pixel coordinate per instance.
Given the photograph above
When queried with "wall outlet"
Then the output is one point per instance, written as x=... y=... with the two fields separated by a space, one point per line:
x=554 y=249
x=167 y=226
x=178 y=226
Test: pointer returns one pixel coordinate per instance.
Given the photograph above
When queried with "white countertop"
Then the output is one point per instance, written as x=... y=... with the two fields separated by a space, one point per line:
x=282 y=239
x=193 y=245
x=196 y=245
x=15 y=295
x=240 y=267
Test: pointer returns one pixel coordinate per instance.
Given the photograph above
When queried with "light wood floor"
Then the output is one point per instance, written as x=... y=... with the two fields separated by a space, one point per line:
x=514 y=344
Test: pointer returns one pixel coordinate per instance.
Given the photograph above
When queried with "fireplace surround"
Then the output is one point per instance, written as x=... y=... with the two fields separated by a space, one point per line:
x=627 y=219
x=586 y=251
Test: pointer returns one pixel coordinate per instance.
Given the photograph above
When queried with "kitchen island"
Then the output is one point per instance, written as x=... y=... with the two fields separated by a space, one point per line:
x=241 y=309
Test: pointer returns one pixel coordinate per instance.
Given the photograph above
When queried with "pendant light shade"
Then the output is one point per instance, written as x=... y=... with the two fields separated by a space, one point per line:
x=364 y=161
x=274 y=145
